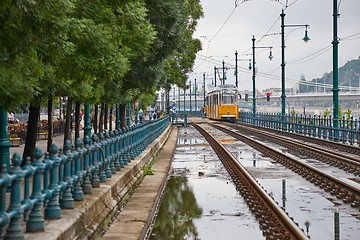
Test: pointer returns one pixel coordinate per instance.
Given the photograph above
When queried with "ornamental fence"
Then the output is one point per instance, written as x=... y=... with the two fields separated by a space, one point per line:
x=347 y=130
x=61 y=177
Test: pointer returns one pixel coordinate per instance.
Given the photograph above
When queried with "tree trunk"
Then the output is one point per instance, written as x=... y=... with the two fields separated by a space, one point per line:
x=77 y=120
x=101 y=122
x=50 y=123
x=123 y=115
x=31 y=133
x=106 y=117
x=68 y=122
x=95 y=123
x=110 y=118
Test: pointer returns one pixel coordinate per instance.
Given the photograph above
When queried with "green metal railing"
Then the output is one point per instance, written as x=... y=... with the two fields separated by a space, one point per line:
x=52 y=182
x=314 y=126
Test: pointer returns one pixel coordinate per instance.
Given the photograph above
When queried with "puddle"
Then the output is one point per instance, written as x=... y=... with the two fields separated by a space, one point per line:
x=306 y=204
x=200 y=201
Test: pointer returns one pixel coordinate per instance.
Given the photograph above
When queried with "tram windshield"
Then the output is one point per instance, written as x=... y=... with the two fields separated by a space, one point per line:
x=228 y=99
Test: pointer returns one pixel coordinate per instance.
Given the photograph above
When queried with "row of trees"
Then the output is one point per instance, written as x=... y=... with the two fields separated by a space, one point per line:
x=92 y=51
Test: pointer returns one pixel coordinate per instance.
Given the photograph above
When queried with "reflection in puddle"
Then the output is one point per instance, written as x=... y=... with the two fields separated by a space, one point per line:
x=200 y=200
x=177 y=212
x=319 y=217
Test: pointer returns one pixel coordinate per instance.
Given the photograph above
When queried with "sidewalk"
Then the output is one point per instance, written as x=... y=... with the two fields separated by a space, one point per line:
x=86 y=220
x=135 y=218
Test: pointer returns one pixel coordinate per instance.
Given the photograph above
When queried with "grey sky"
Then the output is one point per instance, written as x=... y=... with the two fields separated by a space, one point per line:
x=256 y=18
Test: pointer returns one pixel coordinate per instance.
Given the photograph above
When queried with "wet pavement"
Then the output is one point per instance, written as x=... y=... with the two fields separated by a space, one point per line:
x=201 y=202
x=305 y=202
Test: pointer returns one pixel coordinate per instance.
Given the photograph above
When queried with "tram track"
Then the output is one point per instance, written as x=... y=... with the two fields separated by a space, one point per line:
x=339 y=160
x=331 y=146
x=274 y=222
x=347 y=191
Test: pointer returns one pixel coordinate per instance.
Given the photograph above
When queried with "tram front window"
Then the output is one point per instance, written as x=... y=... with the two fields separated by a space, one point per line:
x=228 y=99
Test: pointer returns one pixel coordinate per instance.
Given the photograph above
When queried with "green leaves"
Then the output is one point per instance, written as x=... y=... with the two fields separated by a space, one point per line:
x=94 y=50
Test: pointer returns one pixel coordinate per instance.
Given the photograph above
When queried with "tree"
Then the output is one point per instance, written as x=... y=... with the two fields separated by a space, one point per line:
x=173 y=52
x=98 y=51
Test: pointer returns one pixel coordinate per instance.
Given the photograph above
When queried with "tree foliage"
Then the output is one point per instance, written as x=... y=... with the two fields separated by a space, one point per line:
x=94 y=50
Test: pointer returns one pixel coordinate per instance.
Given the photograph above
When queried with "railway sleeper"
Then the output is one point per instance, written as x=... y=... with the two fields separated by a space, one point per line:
x=254 y=201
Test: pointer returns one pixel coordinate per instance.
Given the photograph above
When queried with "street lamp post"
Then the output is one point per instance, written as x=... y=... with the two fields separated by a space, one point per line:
x=306 y=38
x=174 y=96
x=179 y=97
x=195 y=90
x=190 y=98
x=223 y=69
x=215 y=75
x=236 y=69
x=335 y=89
x=204 y=88
x=254 y=71
x=4 y=140
x=184 y=99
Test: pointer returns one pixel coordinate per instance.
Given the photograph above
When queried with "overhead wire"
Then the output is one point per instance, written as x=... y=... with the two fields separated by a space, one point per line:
x=288 y=5
x=267 y=74
x=264 y=35
x=322 y=51
x=350 y=37
x=308 y=56
x=222 y=26
x=262 y=74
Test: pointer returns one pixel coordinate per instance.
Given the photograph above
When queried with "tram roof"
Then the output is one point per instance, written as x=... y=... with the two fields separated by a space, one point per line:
x=224 y=86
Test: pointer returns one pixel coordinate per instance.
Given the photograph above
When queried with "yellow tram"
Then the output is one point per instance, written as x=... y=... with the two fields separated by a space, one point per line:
x=222 y=103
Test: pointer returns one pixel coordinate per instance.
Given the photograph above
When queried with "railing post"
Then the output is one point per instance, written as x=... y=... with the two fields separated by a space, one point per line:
x=107 y=160
x=112 y=155
x=78 y=193
x=132 y=142
x=116 y=151
x=127 y=157
x=14 y=231
x=87 y=188
x=95 y=180
x=343 y=130
x=121 y=148
x=4 y=183
x=53 y=210
x=36 y=221
x=67 y=200
x=102 y=158
x=138 y=140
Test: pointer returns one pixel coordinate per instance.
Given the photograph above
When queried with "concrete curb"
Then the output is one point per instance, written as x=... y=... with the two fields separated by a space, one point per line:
x=166 y=155
x=85 y=220
x=135 y=219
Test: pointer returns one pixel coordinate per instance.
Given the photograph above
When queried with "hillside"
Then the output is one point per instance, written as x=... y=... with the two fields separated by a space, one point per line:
x=349 y=76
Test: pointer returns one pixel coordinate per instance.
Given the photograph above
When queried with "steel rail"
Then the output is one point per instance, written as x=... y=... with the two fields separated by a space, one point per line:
x=348 y=192
x=348 y=163
x=274 y=222
x=322 y=142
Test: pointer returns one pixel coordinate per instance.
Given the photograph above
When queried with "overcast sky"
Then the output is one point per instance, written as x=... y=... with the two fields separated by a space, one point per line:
x=259 y=17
